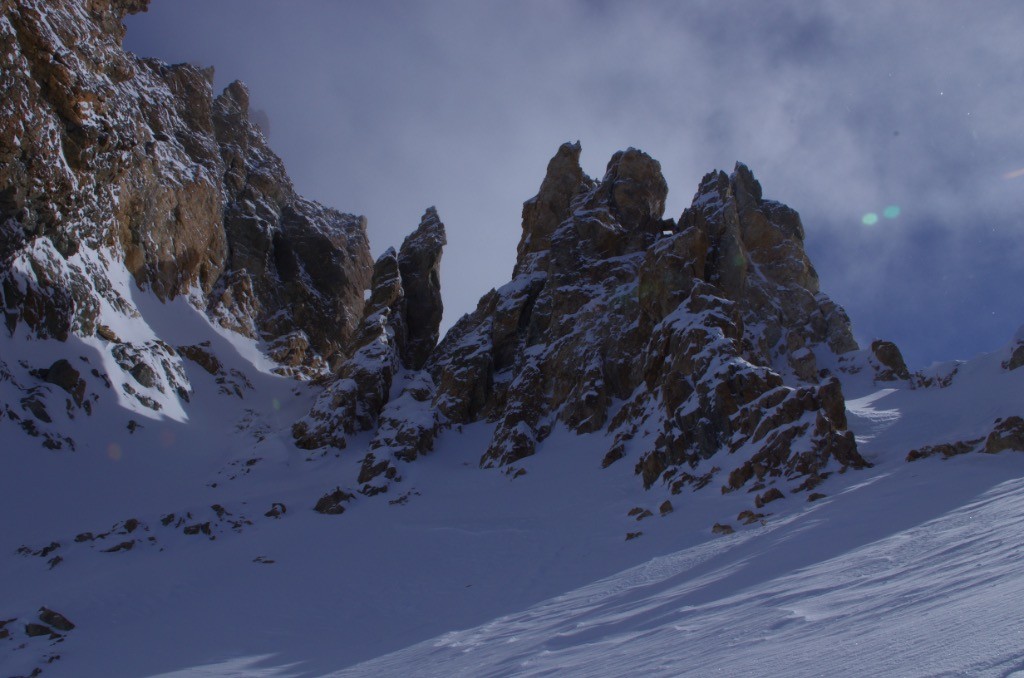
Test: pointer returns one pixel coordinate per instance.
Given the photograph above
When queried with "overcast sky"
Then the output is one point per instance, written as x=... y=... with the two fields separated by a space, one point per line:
x=842 y=109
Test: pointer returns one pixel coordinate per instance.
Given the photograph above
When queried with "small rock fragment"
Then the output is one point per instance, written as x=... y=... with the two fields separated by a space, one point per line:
x=55 y=619
x=768 y=497
x=330 y=503
x=33 y=630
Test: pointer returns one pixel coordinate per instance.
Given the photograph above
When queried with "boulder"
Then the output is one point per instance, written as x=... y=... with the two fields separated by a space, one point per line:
x=891 y=360
x=1008 y=434
x=66 y=377
x=55 y=619
x=331 y=502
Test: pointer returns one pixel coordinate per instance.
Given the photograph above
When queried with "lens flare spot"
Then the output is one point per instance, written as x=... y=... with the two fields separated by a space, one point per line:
x=276 y=403
x=891 y=212
x=869 y=219
x=114 y=452
x=1015 y=174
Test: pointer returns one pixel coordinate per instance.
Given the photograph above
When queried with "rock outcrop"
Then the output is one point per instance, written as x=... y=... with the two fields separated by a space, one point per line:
x=399 y=330
x=1006 y=434
x=682 y=340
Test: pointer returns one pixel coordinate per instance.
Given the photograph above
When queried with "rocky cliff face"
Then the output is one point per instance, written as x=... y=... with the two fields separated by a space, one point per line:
x=399 y=330
x=108 y=160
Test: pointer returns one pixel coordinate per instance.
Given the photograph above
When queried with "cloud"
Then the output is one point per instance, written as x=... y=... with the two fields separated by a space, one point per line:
x=840 y=108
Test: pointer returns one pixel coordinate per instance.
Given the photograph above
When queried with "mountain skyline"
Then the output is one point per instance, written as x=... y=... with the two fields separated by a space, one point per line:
x=387 y=109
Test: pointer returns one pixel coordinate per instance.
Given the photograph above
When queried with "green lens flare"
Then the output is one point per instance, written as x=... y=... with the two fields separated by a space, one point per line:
x=869 y=219
x=891 y=212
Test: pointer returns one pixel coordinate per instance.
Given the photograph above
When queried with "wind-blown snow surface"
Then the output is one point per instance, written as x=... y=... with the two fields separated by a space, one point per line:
x=906 y=568
x=890 y=589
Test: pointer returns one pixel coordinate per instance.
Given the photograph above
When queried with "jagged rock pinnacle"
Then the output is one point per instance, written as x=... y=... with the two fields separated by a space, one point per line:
x=398 y=332
x=610 y=303
x=420 y=263
x=543 y=212
x=637 y=189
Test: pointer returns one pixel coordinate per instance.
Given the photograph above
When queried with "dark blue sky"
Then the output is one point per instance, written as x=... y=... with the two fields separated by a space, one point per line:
x=841 y=109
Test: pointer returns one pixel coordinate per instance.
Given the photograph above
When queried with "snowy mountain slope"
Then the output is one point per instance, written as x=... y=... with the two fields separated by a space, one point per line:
x=888 y=578
x=889 y=556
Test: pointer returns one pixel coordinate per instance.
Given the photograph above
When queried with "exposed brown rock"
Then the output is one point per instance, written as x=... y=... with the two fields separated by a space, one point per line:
x=33 y=630
x=748 y=517
x=419 y=261
x=1008 y=434
x=122 y=546
x=66 y=377
x=768 y=497
x=202 y=356
x=331 y=503
x=695 y=482
x=1016 y=357
x=198 y=528
x=947 y=450
x=100 y=149
x=277 y=509
x=719 y=528
x=640 y=513
x=612 y=456
x=55 y=619
x=543 y=213
x=546 y=305
x=637 y=190
x=107 y=334
x=891 y=360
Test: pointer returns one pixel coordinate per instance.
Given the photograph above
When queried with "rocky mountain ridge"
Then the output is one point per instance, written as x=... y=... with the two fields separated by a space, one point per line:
x=676 y=338
x=110 y=160
x=680 y=338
